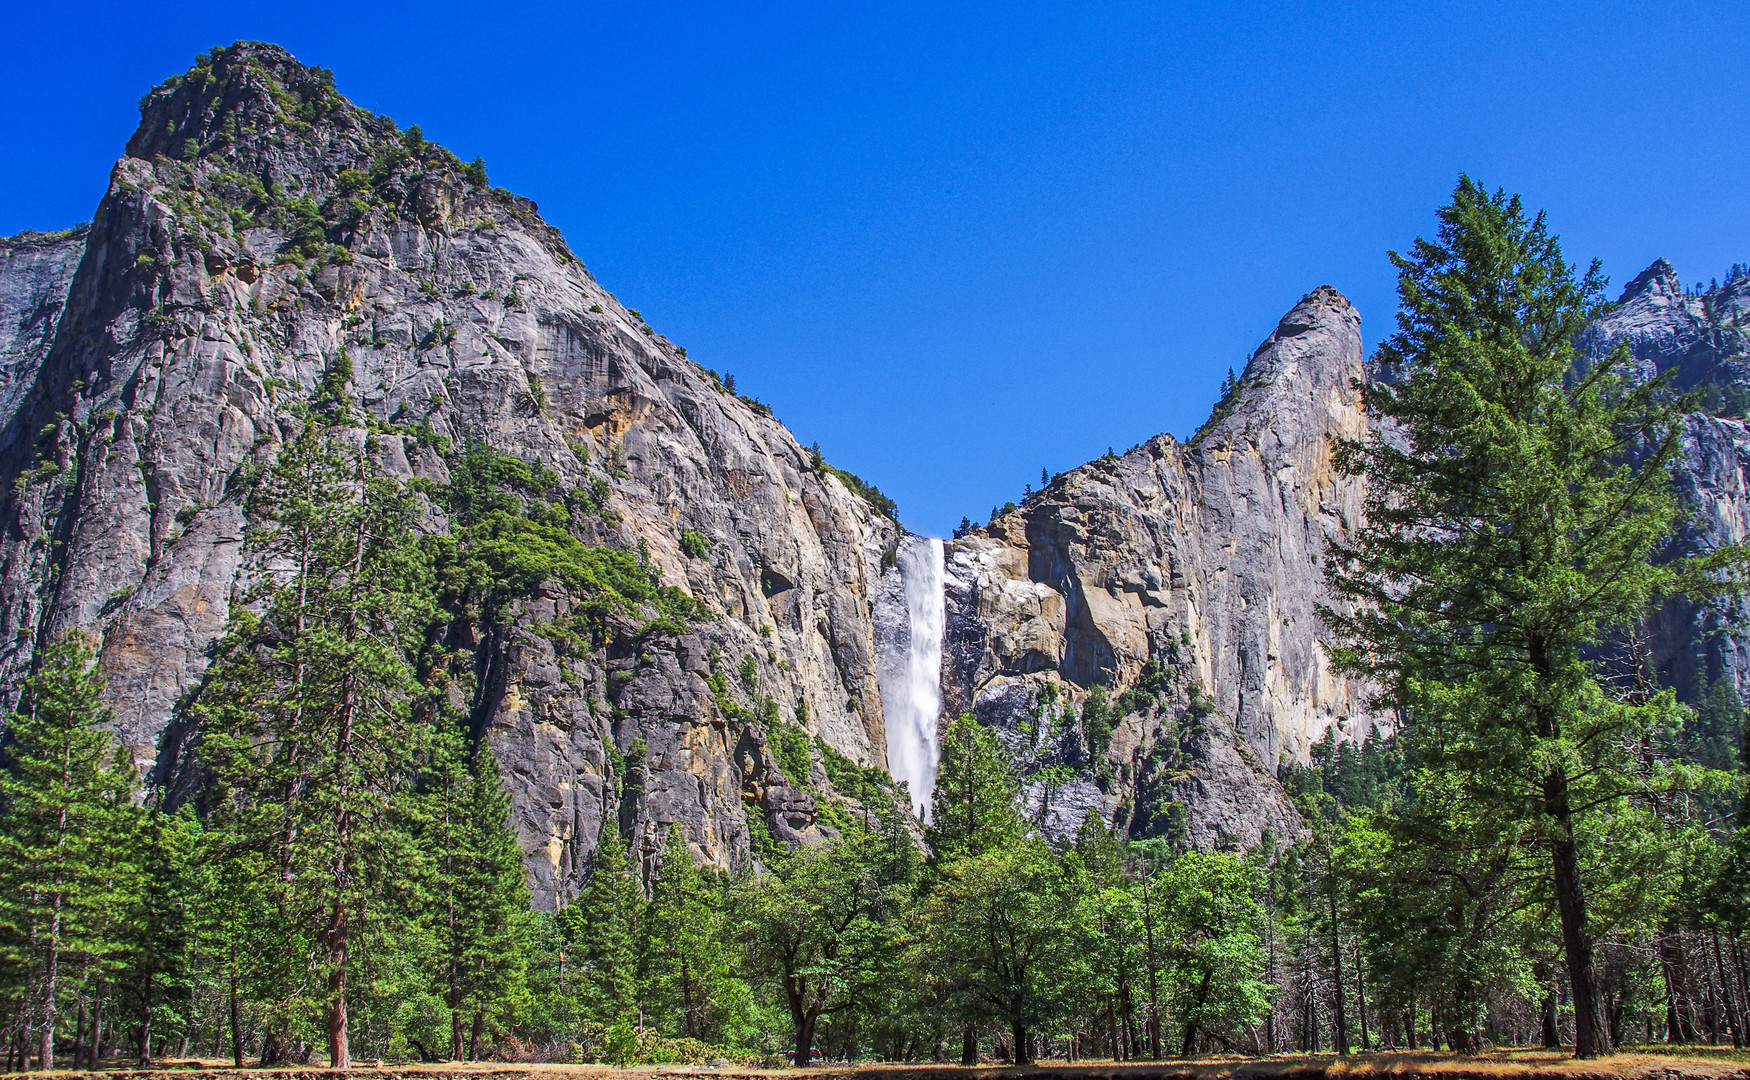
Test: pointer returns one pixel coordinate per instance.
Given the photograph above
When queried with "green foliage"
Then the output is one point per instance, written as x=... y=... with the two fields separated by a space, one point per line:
x=1509 y=535
x=602 y=926
x=790 y=745
x=66 y=824
x=1007 y=924
x=510 y=533
x=694 y=544
x=307 y=705
x=820 y=930
x=1097 y=721
x=973 y=807
x=868 y=492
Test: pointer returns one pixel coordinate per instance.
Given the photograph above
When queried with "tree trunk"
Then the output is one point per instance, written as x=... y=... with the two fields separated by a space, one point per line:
x=1360 y=995
x=51 y=972
x=146 y=1024
x=272 y=1053
x=1189 y=1042
x=236 y=1028
x=1337 y=994
x=1023 y=1047
x=1674 y=966
x=1729 y=999
x=97 y=1032
x=969 y=1045
x=1591 y=1032
x=1552 y=1034
x=339 y=1049
x=805 y=1038
x=474 y=1036
x=1154 y=989
x=79 y=1034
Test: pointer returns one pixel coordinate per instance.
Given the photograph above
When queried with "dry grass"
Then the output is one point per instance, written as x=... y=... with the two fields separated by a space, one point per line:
x=1636 y=1063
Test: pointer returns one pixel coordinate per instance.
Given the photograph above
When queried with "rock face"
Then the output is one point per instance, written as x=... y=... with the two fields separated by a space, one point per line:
x=1695 y=337
x=1189 y=573
x=262 y=233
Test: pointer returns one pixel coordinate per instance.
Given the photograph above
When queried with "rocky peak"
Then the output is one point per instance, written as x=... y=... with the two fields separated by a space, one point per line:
x=1183 y=580
x=1297 y=375
x=246 y=98
x=1658 y=284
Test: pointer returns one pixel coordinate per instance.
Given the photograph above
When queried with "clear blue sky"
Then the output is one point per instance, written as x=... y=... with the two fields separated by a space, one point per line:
x=958 y=243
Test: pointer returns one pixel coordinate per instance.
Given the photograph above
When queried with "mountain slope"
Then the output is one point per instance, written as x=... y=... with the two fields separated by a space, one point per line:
x=264 y=238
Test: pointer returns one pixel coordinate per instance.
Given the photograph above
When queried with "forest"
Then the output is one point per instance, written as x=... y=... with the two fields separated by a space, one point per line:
x=1541 y=852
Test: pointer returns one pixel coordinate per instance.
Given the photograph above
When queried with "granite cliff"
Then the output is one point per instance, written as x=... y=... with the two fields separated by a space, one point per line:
x=1184 y=580
x=1695 y=337
x=259 y=229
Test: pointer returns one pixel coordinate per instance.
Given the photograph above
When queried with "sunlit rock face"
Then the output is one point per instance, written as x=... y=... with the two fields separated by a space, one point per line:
x=1188 y=570
x=1695 y=338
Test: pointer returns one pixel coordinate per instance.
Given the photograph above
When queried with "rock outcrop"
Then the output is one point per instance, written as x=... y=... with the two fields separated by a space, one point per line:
x=1184 y=579
x=262 y=234
x=1695 y=338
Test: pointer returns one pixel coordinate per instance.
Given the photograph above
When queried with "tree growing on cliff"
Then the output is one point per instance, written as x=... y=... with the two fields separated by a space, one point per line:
x=1517 y=506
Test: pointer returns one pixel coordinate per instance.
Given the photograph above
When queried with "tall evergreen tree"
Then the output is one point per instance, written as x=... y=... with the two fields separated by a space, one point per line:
x=65 y=820
x=602 y=925
x=684 y=964
x=160 y=923
x=307 y=712
x=479 y=901
x=1517 y=502
x=972 y=809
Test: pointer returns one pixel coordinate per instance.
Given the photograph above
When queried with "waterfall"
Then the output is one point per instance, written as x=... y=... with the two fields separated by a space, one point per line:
x=909 y=619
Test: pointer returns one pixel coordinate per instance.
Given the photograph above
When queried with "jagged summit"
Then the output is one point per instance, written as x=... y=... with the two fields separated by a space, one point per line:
x=1695 y=336
x=256 y=131
x=239 y=96
x=1660 y=278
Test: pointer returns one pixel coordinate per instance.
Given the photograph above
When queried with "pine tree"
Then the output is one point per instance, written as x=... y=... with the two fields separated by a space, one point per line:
x=602 y=924
x=1510 y=530
x=65 y=817
x=973 y=807
x=307 y=712
x=489 y=944
x=683 y=965
x=160 y=923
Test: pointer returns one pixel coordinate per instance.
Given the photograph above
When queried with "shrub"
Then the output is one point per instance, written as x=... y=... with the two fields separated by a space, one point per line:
x=695 y=544
x=750 y=674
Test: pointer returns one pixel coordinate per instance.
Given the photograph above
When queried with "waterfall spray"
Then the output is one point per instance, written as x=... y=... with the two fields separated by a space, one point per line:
x=911 y=669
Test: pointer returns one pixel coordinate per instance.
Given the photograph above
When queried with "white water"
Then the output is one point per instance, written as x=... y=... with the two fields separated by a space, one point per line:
x=911 y=681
